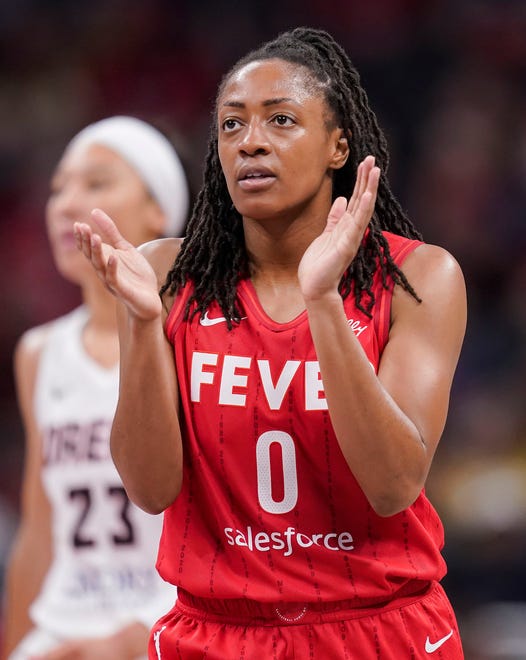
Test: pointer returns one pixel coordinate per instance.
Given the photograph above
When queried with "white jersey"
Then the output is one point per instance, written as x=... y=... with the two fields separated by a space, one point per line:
x=103 y=572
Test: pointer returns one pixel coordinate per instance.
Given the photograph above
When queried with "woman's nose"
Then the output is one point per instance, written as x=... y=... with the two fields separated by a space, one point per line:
x=68 y=201
x=255 y=139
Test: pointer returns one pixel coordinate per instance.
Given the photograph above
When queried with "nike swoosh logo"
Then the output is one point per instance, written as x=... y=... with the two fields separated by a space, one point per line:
x=431 y=647
x=206 y=320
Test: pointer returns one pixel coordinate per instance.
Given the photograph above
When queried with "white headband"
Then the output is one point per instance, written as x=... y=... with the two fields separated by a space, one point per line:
x=153 y=158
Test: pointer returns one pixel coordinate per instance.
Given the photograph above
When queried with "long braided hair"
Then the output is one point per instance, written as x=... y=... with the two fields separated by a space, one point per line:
x=213 y=255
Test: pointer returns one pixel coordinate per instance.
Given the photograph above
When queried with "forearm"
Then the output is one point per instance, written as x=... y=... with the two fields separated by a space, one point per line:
x=23 y=581
x=381 y=445
x=16 y=618
x=146 y=439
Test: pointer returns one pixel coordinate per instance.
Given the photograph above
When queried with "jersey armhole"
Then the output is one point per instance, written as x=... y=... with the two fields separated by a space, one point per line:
x=383 y=319
x=175 y=315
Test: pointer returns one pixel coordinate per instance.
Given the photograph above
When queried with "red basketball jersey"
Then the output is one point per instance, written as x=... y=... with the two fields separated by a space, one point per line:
x=269 y=509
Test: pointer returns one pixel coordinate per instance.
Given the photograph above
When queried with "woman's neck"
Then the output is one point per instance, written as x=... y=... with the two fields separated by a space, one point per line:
x=275 y=247
x=101 y=305
x=100 y=336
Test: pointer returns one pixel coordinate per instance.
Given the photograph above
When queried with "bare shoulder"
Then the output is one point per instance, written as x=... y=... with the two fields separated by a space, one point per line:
x=26 y=360
x=30 y=345
x=433 y=259
x=437 y=279
x=161 y=255
x=434 y=273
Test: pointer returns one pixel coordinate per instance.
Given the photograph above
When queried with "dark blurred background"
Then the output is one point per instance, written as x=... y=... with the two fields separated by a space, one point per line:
x=448 y=82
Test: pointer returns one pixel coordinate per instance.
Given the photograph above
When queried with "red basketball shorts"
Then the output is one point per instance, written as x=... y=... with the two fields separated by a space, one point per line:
x=412 y=627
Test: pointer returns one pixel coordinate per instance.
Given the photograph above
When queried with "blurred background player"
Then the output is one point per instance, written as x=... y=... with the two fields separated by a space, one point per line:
x=81 y=581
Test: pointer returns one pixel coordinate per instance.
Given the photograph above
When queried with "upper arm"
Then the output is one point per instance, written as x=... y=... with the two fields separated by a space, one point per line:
x=34 y=503
x=421 y=355
x=26 y=568
x=35 y=519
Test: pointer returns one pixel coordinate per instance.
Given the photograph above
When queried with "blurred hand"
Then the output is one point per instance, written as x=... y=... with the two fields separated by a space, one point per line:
x=122 y=268
x=330 y=254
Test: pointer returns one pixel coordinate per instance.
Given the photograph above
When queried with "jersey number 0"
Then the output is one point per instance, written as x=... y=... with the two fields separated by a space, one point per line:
x=264 y=472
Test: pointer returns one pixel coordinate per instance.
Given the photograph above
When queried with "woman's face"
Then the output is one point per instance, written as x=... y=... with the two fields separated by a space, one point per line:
x=277 y=144
x=91 y=177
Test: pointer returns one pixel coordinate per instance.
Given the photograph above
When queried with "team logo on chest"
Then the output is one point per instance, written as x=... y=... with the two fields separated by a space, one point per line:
x=206 y=321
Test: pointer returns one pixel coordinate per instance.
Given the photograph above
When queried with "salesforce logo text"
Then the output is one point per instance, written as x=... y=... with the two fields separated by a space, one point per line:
x=289 y=540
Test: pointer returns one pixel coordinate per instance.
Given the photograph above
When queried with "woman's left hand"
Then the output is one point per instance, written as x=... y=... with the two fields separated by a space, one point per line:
x=330 y=254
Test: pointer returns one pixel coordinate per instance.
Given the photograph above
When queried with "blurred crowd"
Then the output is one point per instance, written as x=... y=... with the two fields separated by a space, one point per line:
x=447 y=80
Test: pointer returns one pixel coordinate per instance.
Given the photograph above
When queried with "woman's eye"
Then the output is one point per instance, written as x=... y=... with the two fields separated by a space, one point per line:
x=282 y=120
x=97 y=184
x=230 y=124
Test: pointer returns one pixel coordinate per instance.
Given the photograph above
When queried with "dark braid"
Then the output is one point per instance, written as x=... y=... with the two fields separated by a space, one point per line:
x=213 y=254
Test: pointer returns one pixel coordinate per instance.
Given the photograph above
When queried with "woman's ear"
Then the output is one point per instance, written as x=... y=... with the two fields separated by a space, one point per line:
x=341 y=150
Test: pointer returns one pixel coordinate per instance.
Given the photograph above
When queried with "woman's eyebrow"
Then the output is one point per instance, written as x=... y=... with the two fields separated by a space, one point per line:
x=274 y=101
x=277 y=101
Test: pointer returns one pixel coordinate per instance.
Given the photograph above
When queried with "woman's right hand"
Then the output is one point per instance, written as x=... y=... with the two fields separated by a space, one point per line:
x=120 y=266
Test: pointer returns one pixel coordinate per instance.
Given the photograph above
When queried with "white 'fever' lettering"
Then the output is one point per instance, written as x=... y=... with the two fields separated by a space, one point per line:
x=198 y=375
x=276 y=393
x=234 y=373
x=230 y=379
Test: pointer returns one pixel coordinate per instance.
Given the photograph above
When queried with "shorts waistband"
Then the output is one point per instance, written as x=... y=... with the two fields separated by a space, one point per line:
x=243 y=611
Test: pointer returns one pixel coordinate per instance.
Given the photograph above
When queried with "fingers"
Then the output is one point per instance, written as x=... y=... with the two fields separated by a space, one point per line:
x=105 y=228
x=337 y=210
x=98 y=244
x=373 y=181
x=357 y=187
x=365 y=207
x=360 y=208
x=111 y=273
x=97 y=255
x=362 y=179
x=89 y=243
x=108 y=230
x=83 y=233
x=354 y=221
x=100 y=255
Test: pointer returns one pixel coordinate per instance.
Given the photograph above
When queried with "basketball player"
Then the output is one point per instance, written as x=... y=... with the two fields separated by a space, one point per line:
x=315 y=339
x=82 y=581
